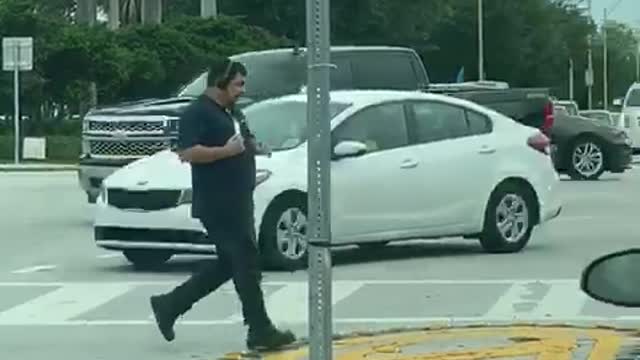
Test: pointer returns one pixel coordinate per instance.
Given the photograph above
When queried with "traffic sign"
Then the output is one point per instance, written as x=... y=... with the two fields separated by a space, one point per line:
x=17 y=55
x=17 y=52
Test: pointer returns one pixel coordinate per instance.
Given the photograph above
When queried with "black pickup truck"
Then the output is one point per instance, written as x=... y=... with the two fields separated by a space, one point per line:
x=116 y=135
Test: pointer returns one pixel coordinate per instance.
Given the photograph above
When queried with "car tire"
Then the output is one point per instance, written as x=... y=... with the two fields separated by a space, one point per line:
x=510 y=203
x=283 y=233
x=589 y=149
x=147 y=258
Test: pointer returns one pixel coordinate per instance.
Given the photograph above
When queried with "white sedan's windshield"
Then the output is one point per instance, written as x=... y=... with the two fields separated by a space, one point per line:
x=283 y=125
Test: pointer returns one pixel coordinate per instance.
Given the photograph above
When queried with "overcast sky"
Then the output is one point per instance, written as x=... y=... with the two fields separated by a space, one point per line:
x=628 y=11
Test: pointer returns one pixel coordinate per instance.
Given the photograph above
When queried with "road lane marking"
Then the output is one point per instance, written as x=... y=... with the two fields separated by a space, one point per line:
x=284 y=283
x=32 y=269
x=63 y=304
x=633 y=320
x=289 y=304
x=504 y=306
x=562 y=300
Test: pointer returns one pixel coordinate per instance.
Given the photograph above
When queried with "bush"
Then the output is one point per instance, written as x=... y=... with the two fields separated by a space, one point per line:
x=58 y=148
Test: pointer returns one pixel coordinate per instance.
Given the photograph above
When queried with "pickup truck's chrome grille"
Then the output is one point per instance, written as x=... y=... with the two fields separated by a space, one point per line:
x=144 y=200
x=134 y=148
x=128 y=126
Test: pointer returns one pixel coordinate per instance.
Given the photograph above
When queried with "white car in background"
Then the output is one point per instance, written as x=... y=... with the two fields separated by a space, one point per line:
x=406 y=165
x=631 y=113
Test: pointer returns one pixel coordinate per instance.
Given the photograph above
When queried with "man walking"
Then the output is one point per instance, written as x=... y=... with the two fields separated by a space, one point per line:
x=223 y=180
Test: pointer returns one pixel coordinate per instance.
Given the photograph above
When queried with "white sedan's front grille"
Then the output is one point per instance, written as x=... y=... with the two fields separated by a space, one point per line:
x=133 y=148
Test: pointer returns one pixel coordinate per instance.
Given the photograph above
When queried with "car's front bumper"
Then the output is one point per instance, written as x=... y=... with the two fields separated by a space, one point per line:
x=620 y=157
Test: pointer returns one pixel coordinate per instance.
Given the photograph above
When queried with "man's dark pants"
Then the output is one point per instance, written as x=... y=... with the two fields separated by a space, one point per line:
x=232 y=230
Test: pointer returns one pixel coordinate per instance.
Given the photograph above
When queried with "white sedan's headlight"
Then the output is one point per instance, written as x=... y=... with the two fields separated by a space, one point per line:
x=102 y=195
x=262 y=175
x=186 y=197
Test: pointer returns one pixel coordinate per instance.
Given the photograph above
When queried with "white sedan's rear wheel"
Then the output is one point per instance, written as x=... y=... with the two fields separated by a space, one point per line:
x=509 y=219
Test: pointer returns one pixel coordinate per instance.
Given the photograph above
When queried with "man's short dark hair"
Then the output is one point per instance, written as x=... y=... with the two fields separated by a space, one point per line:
x=222 y=71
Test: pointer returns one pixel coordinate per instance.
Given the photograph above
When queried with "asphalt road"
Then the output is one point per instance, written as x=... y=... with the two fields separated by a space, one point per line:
x=63 y=298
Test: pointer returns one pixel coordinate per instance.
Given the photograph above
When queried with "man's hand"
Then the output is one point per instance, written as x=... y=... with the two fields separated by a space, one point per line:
x=186 y=155
x=235 y=145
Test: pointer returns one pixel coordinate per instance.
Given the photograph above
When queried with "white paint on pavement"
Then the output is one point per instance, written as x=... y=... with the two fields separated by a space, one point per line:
x=289 y=304
x=63 y=304
x=524 y=300
x=562 y=300
x=32 y=269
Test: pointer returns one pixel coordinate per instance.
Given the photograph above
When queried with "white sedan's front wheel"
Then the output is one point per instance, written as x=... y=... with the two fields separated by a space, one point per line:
x=509 y=219
x=283 y=233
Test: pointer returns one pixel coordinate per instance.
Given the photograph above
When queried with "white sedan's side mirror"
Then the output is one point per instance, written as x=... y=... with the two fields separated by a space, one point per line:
x=349 y=149
x=613 y=278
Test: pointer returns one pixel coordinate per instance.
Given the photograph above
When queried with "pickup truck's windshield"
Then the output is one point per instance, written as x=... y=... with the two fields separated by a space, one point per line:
x=268 y=76
x=634 y=98
x=283 y=125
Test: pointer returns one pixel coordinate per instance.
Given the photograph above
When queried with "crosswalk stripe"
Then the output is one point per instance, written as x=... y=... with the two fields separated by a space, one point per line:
x=562 y=300
x=63 y=304
x=524 y=300
x=290 y=303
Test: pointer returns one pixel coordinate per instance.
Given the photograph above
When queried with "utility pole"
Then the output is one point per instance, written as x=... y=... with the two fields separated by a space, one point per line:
x=480 y=41
x=571 y=78
x=87 y=14
x=605 y=65
x=208 y=8
x=589 y=72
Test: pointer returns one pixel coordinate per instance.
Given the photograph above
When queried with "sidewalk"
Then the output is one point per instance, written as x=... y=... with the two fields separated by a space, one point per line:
x=511 y=342
x=36 y=166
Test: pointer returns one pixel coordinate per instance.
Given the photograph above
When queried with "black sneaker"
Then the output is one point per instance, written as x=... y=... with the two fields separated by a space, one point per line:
x=164 y=315
x=269 y=338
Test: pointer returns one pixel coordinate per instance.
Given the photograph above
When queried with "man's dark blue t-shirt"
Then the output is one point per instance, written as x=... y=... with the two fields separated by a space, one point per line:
x=224 y=182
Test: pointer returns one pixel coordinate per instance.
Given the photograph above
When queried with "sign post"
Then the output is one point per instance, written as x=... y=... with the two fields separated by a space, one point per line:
x=319 y=179
x=17 y=55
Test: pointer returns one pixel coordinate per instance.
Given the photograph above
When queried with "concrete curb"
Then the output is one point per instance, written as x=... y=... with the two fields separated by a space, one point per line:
x=37 y=167
x=512 y=341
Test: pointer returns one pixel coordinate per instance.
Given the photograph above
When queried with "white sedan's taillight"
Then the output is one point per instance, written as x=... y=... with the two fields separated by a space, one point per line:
x=540 y=143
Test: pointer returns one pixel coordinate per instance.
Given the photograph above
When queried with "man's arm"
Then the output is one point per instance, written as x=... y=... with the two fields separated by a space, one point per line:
x=189 y=141
x=200 y=154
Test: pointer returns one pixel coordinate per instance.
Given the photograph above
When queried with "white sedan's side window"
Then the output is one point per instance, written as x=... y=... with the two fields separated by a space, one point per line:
x=380 y=127
x=437 y=121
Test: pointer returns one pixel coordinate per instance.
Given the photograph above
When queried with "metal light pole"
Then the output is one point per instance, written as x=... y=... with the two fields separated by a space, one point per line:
x=480 y=42
x=605 y=65
x=208 y=8
x=319 y=179
x=589 y=73
x=571 y=78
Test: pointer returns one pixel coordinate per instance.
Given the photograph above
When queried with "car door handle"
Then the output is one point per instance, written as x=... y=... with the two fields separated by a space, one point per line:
x=408 y=164
x=486 y=150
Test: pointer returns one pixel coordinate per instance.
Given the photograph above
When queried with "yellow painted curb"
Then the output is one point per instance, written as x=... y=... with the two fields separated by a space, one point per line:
x=546 y=342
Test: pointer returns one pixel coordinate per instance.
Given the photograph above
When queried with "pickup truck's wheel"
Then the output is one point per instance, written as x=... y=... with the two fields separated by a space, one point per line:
x=147 y=258
x=586 y=160
x=509 y=218
x=283 y=233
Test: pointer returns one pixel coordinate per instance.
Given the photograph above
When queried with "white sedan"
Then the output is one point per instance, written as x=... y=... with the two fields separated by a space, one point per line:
x=405 y=165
